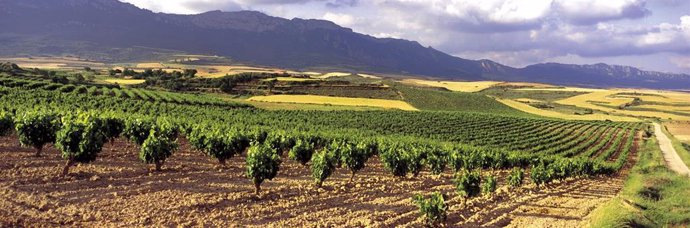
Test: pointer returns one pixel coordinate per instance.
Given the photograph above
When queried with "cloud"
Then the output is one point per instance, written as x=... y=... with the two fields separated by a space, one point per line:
x=345 y=20
x=510 y=31
x=589 y=12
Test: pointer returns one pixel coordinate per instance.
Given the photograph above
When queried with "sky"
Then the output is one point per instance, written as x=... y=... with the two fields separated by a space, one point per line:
x=648 y=34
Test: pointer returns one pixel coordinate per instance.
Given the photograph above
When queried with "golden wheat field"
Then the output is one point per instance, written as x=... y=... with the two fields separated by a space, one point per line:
x=546 y=113
x=609 y=100
x=454 y=86
x=344 y=101
x=125 y=81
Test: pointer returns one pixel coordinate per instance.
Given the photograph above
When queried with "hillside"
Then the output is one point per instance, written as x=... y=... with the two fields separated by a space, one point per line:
x=110 y=30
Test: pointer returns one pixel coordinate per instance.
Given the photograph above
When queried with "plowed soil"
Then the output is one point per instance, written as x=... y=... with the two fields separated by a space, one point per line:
x=117 y=190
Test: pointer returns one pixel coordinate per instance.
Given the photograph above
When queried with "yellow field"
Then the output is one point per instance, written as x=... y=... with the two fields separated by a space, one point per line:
x=125 y=81
x=529 y=109
x=609 y=97
x=565 y=89
x=291 y=79
x=333 y=74
x=527 y=100
x=469 y=87
x=369 y=76
x=680 y=130
x=52 y=62
x=344 y=101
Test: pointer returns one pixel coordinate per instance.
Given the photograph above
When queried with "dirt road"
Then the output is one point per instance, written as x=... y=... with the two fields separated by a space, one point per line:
x=670 y=154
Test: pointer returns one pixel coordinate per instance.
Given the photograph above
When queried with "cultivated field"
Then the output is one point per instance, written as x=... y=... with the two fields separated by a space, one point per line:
x=125 y=81
x=610 y=100
x=454 y=86
x=680 y=130
x=343 y=101
x=117 y=190
x=546 y=113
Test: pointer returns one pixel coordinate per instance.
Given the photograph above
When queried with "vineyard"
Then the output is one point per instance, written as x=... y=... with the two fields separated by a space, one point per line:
x=276 y=153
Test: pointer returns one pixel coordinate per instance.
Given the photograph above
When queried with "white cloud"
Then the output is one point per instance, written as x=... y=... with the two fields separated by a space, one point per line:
x=345 y=20
x=509 y=31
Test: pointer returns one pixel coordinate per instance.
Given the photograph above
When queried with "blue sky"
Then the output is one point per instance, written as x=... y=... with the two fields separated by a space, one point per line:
x=649 y=34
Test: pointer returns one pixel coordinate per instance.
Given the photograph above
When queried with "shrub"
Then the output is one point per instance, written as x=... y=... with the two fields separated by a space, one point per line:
x=434 y=209
x=158 y=146
x=217 y=143
x=137 y=130
x=322 y=166
x=354 y=158
x=467 y=183
x=516 y=177
x=262 y=163
x=112 y=128
x=540 y=174
x=302 y=151
x=415 y=157
x=6 y=123
x=437 y=158
x=280 y=142
x=80 y=139
x=36 y=129
x=489 y=185
x=394 y=160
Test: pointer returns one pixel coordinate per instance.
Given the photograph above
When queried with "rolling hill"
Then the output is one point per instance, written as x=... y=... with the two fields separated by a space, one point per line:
x=110 y=30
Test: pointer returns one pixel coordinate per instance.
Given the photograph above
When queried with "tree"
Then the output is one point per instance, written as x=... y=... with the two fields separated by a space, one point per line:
x=160 y=144
x=79 y=78
x=262 y=163
x=36 y=129
x=322 y=166
x=302 y=151
x=190 y=73
x=434 y=209
x=80 y=139
x=354 y=157
x=6 y=123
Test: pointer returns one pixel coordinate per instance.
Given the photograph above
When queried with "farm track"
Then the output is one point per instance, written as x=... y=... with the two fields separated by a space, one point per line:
x=117 y=190
x=673 y=160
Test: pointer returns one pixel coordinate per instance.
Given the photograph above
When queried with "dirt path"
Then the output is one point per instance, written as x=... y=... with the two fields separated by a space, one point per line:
x=670 y=154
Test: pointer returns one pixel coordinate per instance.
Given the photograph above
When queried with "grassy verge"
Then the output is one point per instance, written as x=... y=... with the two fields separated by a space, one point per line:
x=653 y=196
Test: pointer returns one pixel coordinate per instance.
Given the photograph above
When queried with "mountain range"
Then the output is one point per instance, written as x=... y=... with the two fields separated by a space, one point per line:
x=80 y=27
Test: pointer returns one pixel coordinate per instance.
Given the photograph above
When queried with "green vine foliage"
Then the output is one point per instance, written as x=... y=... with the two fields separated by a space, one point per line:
x=516 y=177
x=489 y=185
x=80 y=139
x=137 y=129
x=433 y=209
x=160 y=144
x=37 y=128
x=322 y=166
x=467 y=183
x=263 y=163
x=6 y=123
x=302 y=151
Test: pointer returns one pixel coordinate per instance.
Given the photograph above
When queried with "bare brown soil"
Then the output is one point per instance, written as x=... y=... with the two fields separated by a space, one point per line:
x=117 y=190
